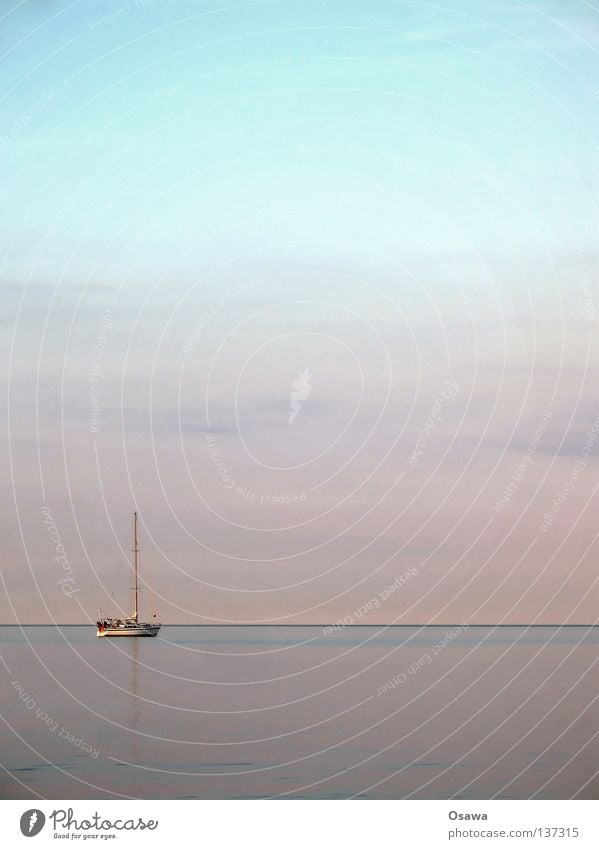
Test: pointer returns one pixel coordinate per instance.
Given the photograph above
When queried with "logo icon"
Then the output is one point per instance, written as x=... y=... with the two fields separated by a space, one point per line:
x=301 y=389
x=32 y=822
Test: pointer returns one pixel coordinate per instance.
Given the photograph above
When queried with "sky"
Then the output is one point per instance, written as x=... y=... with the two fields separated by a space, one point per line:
x=313 y=287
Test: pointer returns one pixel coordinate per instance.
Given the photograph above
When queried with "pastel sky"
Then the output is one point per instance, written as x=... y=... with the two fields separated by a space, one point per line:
x=314 y=287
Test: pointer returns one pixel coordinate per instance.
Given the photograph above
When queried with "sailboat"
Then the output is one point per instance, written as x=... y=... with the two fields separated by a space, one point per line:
x=130 y=627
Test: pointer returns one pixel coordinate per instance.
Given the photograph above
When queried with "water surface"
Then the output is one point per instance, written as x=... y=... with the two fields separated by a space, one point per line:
x=299 y=712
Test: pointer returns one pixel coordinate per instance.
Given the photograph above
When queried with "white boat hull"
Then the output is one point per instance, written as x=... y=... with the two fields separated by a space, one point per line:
x=140 y=630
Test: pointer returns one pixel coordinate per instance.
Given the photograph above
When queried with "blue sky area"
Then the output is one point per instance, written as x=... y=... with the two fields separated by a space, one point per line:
x=200 y=202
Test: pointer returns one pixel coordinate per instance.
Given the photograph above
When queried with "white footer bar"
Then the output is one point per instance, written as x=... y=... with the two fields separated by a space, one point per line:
x=305 y=824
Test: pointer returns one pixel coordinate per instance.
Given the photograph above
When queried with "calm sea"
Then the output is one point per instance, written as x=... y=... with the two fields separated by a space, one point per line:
x=261 y=712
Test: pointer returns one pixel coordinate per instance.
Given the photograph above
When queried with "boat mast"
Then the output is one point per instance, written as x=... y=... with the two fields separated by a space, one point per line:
x=135 y=553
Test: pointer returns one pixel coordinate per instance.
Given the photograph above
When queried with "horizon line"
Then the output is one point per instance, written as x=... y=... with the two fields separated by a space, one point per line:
x=319 y=625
